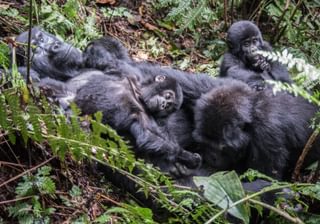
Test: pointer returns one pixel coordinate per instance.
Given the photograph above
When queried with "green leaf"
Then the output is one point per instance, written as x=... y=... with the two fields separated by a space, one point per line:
x=312 y=191
x=224 y=189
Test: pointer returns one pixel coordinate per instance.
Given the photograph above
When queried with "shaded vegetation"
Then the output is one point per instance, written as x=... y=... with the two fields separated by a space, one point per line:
x=49 y=162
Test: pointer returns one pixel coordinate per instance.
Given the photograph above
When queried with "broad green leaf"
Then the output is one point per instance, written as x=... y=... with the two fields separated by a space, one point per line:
x=224 y=189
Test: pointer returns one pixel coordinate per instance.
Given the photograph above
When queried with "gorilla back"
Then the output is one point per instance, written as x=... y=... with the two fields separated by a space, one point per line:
x=240 y=128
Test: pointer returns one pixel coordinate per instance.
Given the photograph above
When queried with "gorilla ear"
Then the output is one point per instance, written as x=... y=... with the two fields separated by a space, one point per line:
x=233 y=46
x=235 y=137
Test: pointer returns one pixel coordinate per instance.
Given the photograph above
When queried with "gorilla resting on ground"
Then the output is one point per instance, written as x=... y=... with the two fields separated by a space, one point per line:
x=50 y=57
x=241 y=61
x=239 y=128
x=131 y=108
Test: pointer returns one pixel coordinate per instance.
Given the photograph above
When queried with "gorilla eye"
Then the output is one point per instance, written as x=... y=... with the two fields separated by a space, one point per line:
x=246 y=43
x=160 y=78
x=167 y=96
x=40 y=37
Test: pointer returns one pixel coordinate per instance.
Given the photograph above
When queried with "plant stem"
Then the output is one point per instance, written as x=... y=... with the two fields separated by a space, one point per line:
x=278 y=211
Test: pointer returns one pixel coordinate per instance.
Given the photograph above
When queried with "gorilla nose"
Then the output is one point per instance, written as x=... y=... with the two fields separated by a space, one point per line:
x=55 y=47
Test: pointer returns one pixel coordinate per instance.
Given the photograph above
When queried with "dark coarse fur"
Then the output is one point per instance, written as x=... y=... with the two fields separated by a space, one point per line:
x=104 y=54
x=239 y=128
x=123 y=107
x=241 y=62
x=51 y=57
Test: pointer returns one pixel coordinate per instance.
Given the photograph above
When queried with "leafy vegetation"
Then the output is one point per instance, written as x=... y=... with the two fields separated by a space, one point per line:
x=63 y=187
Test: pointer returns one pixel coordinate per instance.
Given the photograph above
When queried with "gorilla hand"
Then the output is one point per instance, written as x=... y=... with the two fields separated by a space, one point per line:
x=261 y=63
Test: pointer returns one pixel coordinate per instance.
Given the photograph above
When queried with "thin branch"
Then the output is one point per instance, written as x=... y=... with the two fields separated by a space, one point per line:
x=285 y=10
x=29 y=45
x=303 y=155
x=290 y=18
x=14 y=200
x=25 y=172
x=278 y=211
x=225 y=13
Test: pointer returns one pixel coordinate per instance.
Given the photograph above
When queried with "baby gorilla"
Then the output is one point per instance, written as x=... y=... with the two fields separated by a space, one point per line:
x=50 y=56
x=240 y=128
x=242 y=62
x=129 y=106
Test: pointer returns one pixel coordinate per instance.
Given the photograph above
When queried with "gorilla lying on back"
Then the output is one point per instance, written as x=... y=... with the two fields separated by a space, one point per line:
x=243 y=63
x=131 y=108
x=50 y=56
x=239 y=128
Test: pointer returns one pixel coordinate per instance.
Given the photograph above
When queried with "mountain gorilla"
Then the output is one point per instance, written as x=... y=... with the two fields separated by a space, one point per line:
x=104 y=54
x=239 y=128
x=50 y=57
x=131 y=107
x=243 y=63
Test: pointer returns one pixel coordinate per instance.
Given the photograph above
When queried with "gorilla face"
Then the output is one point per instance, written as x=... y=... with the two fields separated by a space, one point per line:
x=163 y=97
x=52 y=57
x=249 y=47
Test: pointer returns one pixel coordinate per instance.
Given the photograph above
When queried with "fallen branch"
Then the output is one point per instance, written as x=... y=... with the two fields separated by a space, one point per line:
x=307 y=148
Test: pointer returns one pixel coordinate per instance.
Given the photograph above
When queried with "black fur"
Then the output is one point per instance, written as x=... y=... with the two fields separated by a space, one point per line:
x=124 y=107
x=239 y=128
x=241 y=62
x=50 y=56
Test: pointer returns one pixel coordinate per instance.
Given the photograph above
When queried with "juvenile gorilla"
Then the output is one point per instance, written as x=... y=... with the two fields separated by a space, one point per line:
x=240 y=128
x=50 y=57
x=104 y=54
x=130 y=107
x=243 y=63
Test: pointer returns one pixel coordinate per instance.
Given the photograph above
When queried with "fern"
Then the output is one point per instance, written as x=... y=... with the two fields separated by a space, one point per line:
x=189 y=14
x=36 y=120
x=306 y=76
x=32 y=211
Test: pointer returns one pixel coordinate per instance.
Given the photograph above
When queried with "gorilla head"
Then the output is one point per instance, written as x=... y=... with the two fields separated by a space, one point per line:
x=240 y=128
x=244 y=39
x=242 y=61
x=222 y=118
x=51 y=57
x=163 y=97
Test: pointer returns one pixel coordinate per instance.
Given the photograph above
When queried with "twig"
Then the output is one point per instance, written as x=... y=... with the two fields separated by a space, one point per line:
x=25 y=172
x=290 y=18
x=108 y=199
x=285 y=10
x=304 y=153
x=29 y=82
x=14 y=200
x=225 y=13
x=278 y=211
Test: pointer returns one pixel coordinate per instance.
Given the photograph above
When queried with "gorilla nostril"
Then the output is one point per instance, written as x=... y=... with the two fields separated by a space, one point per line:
x=56 y=46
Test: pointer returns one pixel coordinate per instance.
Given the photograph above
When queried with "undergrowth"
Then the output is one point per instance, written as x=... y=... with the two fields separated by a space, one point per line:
x=27 y=117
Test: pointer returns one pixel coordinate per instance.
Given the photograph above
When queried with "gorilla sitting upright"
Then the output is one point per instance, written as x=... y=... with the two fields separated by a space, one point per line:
x=243 y=63
x=240 y=128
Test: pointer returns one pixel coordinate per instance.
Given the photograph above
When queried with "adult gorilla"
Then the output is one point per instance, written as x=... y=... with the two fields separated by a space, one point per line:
x=243 y=63
x=240 y=128
x=50 y=56
x=131 y=108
